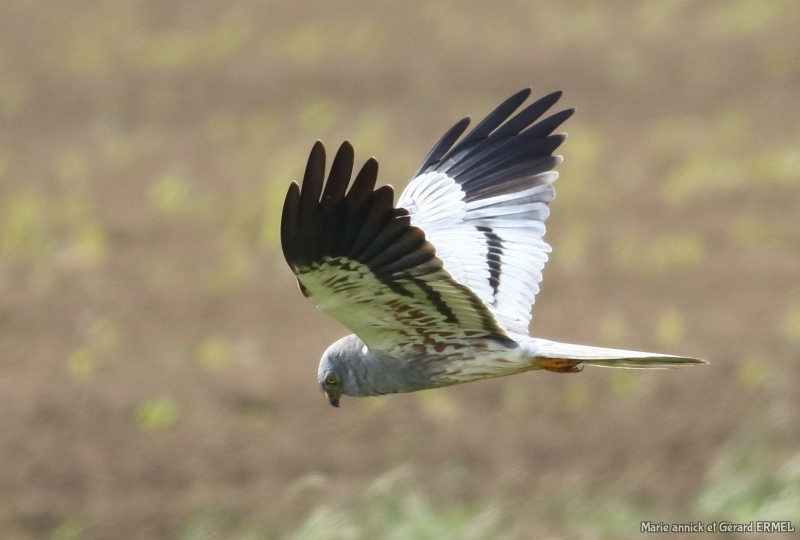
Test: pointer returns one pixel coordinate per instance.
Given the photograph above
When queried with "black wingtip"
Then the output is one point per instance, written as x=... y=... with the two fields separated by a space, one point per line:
x=289 y=217
x=316 y=155
x=561 y=117
x=361 y=189
x=524 y=92
x=318 y=150
x=313 y=177
x=444 y=144
x=552 y=97
x=339 y=176
x=345 y=150
x=370 y=168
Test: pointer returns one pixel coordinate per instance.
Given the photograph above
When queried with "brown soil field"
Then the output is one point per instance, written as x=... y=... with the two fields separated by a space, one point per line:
x=158 y=364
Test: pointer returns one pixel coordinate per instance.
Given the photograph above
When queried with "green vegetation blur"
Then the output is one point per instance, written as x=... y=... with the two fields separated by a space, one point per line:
x=158 y=367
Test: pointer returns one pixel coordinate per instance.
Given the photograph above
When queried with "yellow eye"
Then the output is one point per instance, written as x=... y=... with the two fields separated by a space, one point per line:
x=331 y=380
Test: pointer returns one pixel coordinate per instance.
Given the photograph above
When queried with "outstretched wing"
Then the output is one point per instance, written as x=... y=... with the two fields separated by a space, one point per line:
x=483 y=203
x=360 y=260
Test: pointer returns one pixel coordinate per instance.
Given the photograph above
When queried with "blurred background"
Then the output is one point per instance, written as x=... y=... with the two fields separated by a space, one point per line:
x=158 y=364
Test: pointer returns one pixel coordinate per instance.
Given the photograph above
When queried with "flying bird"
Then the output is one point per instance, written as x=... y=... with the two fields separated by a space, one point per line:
x=438 y=288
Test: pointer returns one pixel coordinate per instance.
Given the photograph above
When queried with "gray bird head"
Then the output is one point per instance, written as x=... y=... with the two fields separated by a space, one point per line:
x=350 y=368
x=336 y=369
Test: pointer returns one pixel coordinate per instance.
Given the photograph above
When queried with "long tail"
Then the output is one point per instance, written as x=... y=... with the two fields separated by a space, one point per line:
x=602 y=357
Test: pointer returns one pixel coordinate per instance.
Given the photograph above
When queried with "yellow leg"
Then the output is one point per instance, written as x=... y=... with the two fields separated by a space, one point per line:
x=560 y=365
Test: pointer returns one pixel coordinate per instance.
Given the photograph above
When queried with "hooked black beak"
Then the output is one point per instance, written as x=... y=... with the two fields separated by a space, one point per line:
x=333 y=400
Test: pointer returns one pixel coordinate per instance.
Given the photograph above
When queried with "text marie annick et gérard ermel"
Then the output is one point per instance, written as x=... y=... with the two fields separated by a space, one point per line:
x=718 y=527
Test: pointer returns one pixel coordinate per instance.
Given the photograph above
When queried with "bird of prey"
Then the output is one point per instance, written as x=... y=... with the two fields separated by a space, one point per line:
x=438 y=288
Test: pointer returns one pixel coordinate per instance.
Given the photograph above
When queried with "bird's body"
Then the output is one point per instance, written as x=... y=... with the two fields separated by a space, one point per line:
x=370 y=372
x=421 y=366
x=438 y=289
